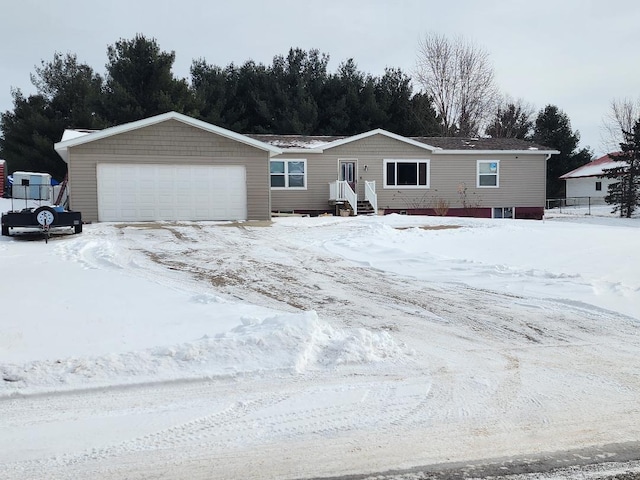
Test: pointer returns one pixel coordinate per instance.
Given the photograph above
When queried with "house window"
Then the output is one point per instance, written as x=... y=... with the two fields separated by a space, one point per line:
x=598 y=186
x=288 y=174
x=488 y=174
x=406 y=173
x=503 y=212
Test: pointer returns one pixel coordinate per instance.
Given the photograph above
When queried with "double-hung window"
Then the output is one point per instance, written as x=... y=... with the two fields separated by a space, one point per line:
x=406 y=174
x=488 y=174
x=288 y=174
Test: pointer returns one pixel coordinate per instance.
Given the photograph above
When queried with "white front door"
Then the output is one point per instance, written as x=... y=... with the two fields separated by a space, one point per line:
x=348 y=172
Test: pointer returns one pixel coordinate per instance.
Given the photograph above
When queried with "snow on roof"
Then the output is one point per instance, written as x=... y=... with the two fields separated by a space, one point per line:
x=439 y=144
x=459 y=144
x=595 y=168
x=307 y=142
x=72 y=133
x=299 y=144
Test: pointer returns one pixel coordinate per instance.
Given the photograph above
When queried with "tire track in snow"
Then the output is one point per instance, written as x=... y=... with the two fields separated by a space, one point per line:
x=475 y=394
x=293 y=278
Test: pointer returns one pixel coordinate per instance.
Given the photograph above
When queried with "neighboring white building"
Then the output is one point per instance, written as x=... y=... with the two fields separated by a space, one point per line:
x=589 y=180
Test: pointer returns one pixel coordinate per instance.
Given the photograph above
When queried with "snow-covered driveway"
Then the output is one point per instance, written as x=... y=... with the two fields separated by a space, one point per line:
x=315 y=346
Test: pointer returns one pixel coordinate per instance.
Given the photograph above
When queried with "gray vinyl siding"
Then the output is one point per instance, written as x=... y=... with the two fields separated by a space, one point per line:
x=522 y=177
x=320 y=171
x=170 y=142
x=521 y=183
x=323 y=169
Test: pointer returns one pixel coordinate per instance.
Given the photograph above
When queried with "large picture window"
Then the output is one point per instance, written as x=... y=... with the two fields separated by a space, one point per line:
x=288 y=174
x=406 y=173
x=488 y=174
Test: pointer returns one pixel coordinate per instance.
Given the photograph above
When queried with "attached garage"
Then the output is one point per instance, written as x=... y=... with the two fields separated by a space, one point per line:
x=169 y=167
x=139 y=192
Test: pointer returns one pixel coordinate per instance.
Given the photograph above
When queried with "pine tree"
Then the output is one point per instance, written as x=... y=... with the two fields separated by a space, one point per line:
x=72 y=90
x=140 y=83
x=68 y=95
x=625 y=193
x=553 y=129
x=512 y=120
x=296 y=95
x=28 y=135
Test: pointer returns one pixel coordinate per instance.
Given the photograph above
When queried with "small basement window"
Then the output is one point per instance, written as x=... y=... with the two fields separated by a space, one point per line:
x=503 y=212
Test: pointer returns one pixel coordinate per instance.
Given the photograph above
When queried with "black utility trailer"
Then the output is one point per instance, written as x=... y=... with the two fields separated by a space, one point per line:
x=35 y=187
x=43 y=218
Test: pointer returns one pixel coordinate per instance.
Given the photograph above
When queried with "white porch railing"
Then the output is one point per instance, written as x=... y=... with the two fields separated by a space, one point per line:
x=371 y=196
x=340 y=191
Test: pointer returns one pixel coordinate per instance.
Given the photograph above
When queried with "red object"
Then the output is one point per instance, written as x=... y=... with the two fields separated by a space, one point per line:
x=604 y=160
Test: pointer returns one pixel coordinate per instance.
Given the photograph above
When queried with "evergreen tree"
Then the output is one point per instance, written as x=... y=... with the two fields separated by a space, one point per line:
x=296 y=95
x=510 y=121
x=72 y=90
x=393 y=94
x=423 y=120
x=553 y=129
x=625 y=193
x=293 y=95
x=210 y=86
x=68 y=95
x=28 y=135
x=334 y=118
x=140 y=83
x=293 y=81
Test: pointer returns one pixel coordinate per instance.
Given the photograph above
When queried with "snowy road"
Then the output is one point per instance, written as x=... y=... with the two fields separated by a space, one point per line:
x=475 y=366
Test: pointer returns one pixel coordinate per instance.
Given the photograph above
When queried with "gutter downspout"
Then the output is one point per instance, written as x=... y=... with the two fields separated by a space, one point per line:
x=545 y=183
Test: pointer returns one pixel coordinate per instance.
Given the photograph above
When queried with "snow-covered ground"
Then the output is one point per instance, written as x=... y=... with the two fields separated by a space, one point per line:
x=315 y=346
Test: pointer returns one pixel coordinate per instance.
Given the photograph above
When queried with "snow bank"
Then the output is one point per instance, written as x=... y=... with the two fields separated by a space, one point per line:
x=293 y=343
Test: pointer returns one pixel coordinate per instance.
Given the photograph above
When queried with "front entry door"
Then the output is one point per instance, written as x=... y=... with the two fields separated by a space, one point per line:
x=348 y=172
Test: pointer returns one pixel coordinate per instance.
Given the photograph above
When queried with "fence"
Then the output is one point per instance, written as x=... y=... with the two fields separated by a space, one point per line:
x=576 y=204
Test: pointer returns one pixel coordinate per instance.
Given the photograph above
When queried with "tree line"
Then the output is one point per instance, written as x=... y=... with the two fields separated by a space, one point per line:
x=295 y=94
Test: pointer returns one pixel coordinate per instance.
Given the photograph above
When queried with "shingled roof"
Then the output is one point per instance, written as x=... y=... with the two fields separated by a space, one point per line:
x=311 y=142
x=595 y=168
x=480 y=143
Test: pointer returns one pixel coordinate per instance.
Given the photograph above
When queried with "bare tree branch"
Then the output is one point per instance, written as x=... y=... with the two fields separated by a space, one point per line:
x=459 y=78
x=617 y=124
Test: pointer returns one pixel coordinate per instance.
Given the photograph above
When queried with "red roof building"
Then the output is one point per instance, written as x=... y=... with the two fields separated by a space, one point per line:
x=589 y=180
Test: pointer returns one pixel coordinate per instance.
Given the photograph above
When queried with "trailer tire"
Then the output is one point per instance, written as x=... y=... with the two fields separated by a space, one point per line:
x=51 y=214
x=5 y=231
x=77 y=228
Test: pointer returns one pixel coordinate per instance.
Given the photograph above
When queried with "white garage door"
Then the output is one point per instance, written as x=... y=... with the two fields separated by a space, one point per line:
x=137 y=192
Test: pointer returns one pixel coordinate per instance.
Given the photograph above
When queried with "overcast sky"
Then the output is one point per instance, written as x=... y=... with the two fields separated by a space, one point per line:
x=576 y=54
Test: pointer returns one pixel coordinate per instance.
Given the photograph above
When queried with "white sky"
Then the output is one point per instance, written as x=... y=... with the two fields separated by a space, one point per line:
x=576 y=54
